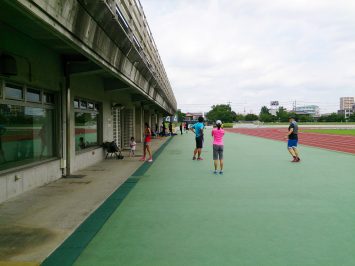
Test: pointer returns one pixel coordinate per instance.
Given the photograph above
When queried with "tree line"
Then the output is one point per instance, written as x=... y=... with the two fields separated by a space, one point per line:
x=225 y=113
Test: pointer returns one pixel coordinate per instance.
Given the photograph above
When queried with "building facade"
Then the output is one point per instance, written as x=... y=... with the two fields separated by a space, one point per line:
x=73 y=75
x=193 y=116
x=346 y=106
x=312 y=110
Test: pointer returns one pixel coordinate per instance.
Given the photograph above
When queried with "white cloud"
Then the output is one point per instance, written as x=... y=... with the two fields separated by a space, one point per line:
x=250 y=52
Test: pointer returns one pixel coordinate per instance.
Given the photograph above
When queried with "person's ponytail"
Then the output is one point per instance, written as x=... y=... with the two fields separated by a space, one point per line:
x=219 y=126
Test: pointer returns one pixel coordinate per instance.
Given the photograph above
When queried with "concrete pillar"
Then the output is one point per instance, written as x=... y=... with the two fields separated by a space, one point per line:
x=160 y=120
x=139 y=124
x=147 y=117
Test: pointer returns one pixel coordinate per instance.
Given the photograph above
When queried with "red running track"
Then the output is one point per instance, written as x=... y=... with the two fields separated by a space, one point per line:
x=326 y=141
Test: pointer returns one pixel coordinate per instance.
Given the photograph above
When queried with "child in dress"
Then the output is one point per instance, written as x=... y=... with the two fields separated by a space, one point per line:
x=132 y=144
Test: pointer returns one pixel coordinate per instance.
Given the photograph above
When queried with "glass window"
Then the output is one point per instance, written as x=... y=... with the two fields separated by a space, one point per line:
x=26 y=135
x=86 y=124
x=33 y=95
x=83 y=105
x=13 y=91
x=91 y=106
x=76 y=103
x=48 y=97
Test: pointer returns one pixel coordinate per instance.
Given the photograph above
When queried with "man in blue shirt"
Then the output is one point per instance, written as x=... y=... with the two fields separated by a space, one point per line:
x=292 y=136
x=198 y=130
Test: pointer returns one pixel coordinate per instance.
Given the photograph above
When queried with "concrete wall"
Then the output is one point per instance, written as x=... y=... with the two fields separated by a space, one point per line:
x=91 y=87
x=17 y=182
x=45 y=65
x=42 y=67
x=30 y=55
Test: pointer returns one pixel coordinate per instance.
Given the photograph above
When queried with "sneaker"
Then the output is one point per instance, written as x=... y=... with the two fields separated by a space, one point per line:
x=215 y=172
x=199 y=159
x=298 y=160
x=194 y=158
x=142 y=159
x=221 y=172
x=150 y=160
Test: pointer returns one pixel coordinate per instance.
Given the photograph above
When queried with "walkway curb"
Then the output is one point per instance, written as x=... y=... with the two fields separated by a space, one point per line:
x=67 y=253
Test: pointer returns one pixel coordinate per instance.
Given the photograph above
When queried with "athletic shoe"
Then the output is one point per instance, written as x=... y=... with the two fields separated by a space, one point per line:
x=215 y=172
x=298 y=160
x=199 y=159
x=142 y=159
x=150 y=160
x=194 y=158
x=221 y=172
x=294 y=160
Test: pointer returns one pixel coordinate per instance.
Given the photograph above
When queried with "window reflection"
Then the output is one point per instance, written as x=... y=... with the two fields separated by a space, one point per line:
x=26 y=135
x=86 y=130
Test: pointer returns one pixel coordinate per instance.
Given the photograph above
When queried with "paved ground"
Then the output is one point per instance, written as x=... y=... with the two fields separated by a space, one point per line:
x=263 y=211
x=326 y=141
x=35 y=223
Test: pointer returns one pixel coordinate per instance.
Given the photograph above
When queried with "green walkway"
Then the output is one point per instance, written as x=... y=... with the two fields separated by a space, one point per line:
x=263 y=211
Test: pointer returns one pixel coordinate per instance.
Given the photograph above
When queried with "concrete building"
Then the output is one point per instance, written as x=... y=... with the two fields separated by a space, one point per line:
x=312 y=110
x=193 y=116
x=73 y=74
x=346 y=106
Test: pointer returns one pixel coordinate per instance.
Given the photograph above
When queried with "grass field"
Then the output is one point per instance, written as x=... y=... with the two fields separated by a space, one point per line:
x=349 y=132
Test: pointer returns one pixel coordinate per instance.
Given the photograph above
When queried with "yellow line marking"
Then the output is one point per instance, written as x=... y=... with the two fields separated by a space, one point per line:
x=19 y=263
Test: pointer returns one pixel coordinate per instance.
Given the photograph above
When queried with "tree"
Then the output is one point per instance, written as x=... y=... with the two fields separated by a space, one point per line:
x=333 y=117
x=264 y=111
x=251 y=117
x=352 y=118
x=180 y=115
x=239 y=117
x=265 y=115
x=282 y=114
x=221 y=112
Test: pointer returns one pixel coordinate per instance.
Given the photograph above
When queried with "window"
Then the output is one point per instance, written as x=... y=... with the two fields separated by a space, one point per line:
x=87 y=119
x=26 y=135
x=26 y=128
x=121 y=18
x=76 y=103
x=48 y=97
x=33 y=95
x=13 y=91
x=83 y=105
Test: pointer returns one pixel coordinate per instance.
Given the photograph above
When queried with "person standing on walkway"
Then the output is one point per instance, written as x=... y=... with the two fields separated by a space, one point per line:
x=147 y=140
x=186 y=127
x=198 y=130
x=292 y=136
x=181 y=128
x=170 y=128
x=218 y=146
x=164 y=129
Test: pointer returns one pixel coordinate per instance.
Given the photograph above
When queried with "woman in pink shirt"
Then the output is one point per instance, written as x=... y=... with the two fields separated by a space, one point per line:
x=217 y=134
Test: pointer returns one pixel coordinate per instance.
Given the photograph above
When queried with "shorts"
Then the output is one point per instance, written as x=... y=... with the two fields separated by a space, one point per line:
x=218 y=152
x=199 y=142
x=292 y=143
x=146 y=143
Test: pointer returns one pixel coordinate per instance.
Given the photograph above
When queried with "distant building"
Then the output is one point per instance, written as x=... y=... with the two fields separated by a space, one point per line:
x=273 y=111
x=346 y=106
x=312 y=110
x=346 y=103
x=193 y=116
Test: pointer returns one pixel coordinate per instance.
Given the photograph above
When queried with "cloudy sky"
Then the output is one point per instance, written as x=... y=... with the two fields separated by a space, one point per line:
x=250 y=52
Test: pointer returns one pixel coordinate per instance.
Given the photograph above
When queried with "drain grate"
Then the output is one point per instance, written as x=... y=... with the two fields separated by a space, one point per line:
x=75 y=176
